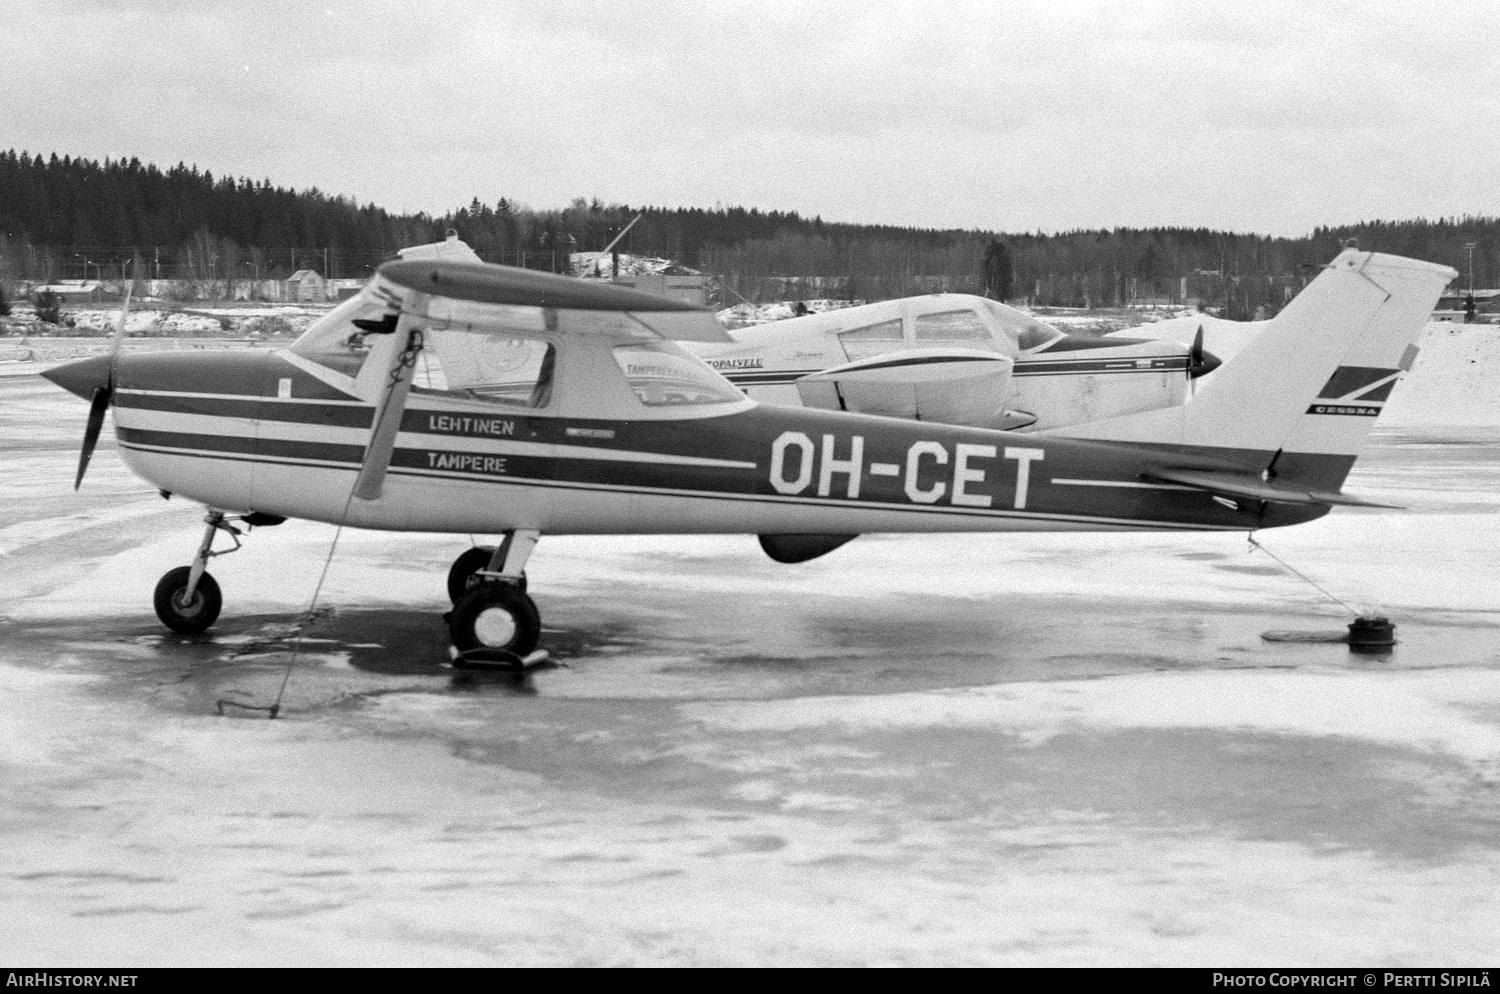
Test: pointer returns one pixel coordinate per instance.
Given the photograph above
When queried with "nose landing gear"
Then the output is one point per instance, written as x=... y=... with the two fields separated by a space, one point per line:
x=494 y=612
x=187 y=598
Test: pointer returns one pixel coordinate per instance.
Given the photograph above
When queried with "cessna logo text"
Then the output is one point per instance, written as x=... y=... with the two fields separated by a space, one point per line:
x=931 y=472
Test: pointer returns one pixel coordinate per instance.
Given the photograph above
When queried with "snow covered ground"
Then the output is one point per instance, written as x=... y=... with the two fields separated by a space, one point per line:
x=601 y=265
x=159 y=320
x=999 y=750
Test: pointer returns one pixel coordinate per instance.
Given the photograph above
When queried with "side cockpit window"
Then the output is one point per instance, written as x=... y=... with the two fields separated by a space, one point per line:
x=872 y=340
x=964 y=329
x=497 y=367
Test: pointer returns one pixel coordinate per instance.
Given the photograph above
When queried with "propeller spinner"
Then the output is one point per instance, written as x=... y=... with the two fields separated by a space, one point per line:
x=1200 y=361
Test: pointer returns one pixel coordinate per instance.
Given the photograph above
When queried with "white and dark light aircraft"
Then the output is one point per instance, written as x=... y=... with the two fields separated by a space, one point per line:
x=450 y=396
x=957 y=359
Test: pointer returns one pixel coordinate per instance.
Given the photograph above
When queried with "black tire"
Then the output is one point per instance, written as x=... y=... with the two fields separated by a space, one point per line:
x=189 y=619
x=465 y=566
x=495 y=616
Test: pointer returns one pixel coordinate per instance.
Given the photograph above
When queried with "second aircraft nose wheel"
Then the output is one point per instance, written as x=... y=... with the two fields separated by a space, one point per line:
x=188 y=615
x=495 y=615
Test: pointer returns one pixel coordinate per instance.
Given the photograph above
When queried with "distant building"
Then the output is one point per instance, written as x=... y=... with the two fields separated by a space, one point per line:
x=72 y=289
x=342 y=289
x=1453 y=306
x=307 y=286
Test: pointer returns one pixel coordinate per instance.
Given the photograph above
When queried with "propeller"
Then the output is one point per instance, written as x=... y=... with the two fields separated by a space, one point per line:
x=105 y=395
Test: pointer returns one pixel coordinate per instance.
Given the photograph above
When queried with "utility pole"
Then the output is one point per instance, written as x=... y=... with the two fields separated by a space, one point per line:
x=610 y=248
x=1470 y=247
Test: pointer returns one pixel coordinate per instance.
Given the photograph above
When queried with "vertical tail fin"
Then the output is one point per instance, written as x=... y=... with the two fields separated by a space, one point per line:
x=1311 y=384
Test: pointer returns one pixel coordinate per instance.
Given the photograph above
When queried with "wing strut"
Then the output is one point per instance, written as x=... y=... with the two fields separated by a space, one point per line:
x=388 y=418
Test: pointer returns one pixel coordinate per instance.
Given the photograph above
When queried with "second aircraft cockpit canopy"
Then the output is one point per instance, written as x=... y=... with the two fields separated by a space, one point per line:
x=944 y=321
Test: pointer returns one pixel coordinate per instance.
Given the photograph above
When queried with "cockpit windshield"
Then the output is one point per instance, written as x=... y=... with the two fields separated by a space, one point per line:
x=1028 y=333
x=334 y=342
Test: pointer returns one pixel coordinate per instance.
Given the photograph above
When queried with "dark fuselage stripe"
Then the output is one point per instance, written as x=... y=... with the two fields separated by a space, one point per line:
x=253 y=408
x=1049 y=369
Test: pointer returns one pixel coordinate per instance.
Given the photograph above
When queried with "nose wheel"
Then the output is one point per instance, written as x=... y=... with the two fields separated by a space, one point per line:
x=186 y=610
x=187 y=598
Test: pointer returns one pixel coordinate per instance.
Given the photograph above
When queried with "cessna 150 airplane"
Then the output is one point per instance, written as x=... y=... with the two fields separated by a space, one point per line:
x=958 y=359
x=451 y=396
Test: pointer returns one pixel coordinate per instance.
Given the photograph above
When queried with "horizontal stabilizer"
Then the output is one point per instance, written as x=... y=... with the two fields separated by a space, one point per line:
x=1246 y=486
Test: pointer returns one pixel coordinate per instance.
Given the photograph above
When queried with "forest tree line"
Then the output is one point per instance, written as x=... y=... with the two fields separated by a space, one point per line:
x=75 y=218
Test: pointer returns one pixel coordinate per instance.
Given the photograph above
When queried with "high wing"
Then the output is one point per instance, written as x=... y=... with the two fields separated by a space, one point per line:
x=485 y=295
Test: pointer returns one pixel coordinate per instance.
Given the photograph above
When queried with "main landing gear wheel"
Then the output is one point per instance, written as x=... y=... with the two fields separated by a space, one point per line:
x=495 y=615
x=465 y=566
x=182 y=614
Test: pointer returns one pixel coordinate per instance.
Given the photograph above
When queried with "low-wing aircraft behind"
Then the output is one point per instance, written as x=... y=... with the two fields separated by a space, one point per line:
x=453 y=396
x=958 y=359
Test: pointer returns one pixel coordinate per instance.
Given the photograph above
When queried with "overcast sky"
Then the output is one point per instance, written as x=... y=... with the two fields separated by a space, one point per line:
x=1261 y=116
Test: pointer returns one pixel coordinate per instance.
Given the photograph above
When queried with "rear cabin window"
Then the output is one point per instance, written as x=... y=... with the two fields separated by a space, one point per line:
x=498 y=367
x=965 y=329
x=872 y=340
x=661 y=375
x=334 y=342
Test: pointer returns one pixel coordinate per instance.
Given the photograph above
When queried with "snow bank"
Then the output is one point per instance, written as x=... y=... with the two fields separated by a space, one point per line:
x=205 y=322
x=1456 y=380
x=745 y=315
x=600 y=265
